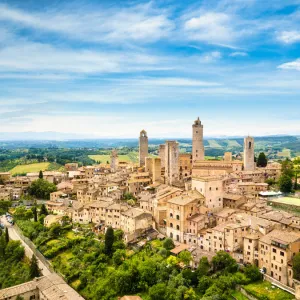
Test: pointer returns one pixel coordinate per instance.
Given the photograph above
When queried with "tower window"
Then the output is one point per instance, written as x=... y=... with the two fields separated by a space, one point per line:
x=250 y=145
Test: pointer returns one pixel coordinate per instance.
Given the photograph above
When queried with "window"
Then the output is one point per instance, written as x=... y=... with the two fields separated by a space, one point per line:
x=281 y=253
x=171 y=225
x=274 y=250
x=177 y=217
x=177 y=227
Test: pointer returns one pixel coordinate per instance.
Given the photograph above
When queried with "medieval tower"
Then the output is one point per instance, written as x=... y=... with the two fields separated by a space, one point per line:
x=171 y=162
x=249 y=164
x=114 y=160
x=197 y=146
x=143 y=147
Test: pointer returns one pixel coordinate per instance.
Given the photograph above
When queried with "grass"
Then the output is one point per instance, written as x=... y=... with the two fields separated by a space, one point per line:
x=232 y=143
x=214 y=144
x=287 y=200
x=103 y=158
x=285 y=153
x=30 y=168
x=238 y=296
x=265 y=288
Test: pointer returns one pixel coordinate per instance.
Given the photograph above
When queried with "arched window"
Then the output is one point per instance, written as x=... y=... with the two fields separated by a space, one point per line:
x=171 y=235
x=171 y=225
x=177 y=227
x=171 y=215
x=177 y=217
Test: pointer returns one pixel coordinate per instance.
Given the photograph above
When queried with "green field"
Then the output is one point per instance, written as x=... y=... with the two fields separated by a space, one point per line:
x=266 y=289
x=287 y=200
x=232 y=143
x=103 y=158
x=22 y=169
x=285 y=153
x=214 y=144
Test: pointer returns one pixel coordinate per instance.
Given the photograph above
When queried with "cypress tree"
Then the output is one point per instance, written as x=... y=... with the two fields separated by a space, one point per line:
x=109 y=240
x=34 y=214
x=34 y=268
x=41 y=175
x=43 y=210
x=296 y=182
x=6 y=235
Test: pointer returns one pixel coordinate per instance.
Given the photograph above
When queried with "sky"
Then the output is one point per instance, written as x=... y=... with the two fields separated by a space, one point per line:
x=112 y=68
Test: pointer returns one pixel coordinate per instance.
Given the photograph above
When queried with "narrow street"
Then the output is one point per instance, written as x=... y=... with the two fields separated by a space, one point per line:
x=13 y=235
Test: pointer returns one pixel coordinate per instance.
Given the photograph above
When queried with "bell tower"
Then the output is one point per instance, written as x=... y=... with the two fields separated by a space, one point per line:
x=197 y=143
x=143 y=147
x=249 y=164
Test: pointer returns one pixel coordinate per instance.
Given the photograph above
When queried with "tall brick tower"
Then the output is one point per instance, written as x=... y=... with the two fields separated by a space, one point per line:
x=249 y=164
x=198 y=147
x=143 y=147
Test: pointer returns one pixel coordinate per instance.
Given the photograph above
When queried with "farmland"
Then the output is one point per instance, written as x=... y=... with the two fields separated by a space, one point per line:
x=36 y=167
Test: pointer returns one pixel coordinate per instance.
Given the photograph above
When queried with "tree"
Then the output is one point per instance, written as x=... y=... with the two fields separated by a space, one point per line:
x=296 y=182
x=41 y=175
x=296 y=266
x=185 y=257
x=2 y=246
x=168 y=244
x=262 y=160
x=253 y=273
x=204 y=283
x=287 y=168
x=44 y=210
x=172 y=260
x=6 y=235
x=222 y=261
x=109 y=241
x=285 y=183
x=41 y=188
x=119 y=256
x=34 y=268
x=203 y=267
x=158 y=291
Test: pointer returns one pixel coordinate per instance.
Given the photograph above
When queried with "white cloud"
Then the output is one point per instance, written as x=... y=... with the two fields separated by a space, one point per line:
x=238 y=54
x=137 y=23
x=289 y=37
x=293 y=65
x=211 y=27
x=42 y=57
x=171 y=81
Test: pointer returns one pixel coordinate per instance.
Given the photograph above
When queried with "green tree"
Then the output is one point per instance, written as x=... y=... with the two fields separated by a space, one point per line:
x=285 y=183
x=222 y=261
x=41 y=188
x=185 y=256
x=44 y=210
x=168 y=244
x=253 y=273
x=203 y=267
x=2 y=246
x=109 y=241
x=34 y=268
x=34 y=211
x=119 y=256
x=296 y=266
x=158 y=291
x=41 y=175
x=262 y=160
x=296 y=182
x=287 y=168
x=6 y=235
x=204 y=283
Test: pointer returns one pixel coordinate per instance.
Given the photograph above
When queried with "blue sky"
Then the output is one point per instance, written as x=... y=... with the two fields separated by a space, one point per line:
x=112 y=68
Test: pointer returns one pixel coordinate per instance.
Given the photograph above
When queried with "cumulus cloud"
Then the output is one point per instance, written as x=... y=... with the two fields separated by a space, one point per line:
x=289 y=37
x=293 y=65
x=210 y=27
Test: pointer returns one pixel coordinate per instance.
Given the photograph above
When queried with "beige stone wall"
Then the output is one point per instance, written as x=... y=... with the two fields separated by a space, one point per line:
x=161 y=154
x=249 y=164
x=143 y=147
x=228 y=156
x=171 y=162
x=197 y=142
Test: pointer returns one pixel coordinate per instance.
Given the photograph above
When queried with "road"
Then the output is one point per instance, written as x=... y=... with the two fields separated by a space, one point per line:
x=13 y=235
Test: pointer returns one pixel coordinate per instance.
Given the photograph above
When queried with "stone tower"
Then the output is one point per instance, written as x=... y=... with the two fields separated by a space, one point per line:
x=249 y=164
x=171 y=162
x=198 y=146
x=114 y=160
x=161 y=154
x=143 y=147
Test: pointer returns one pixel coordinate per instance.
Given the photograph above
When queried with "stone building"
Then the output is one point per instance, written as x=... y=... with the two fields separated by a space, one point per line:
x=48 y=287
x=249 y=164
x=212 y=189
x=198 y=146
x=153 y=166
x=143 y=147
x=185 y=166
x=114 y=160
x=171 y=162
x=161 y=154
